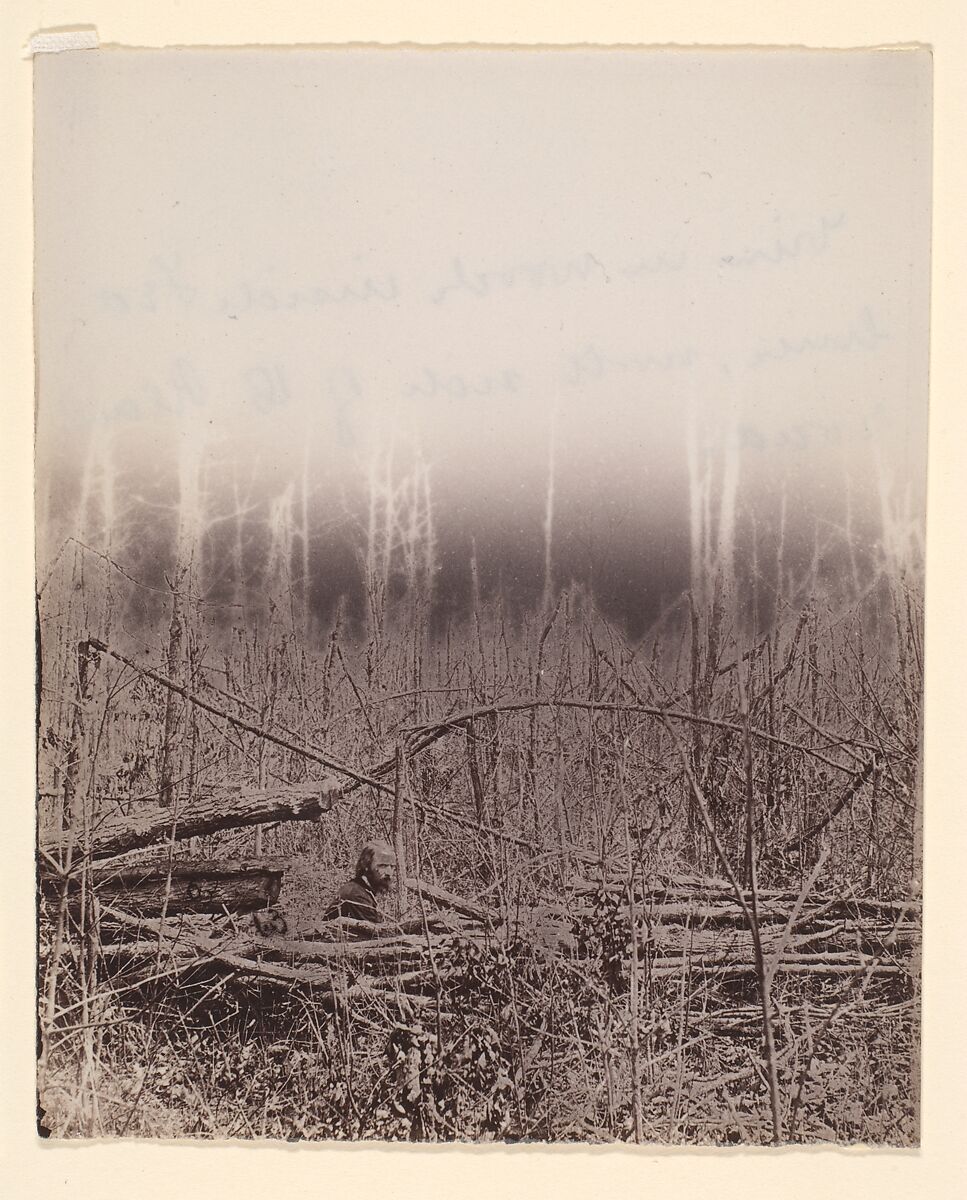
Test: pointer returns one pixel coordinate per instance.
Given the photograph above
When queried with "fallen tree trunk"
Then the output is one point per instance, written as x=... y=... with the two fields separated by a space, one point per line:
x=184 y=886
x=458 y=904
x=666 y=898
x=206 y=812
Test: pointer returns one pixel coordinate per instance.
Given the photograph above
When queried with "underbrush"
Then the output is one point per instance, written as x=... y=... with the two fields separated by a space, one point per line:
x=516 y=1042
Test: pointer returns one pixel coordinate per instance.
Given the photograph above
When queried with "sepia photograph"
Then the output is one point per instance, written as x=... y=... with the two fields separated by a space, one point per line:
x=480 y=545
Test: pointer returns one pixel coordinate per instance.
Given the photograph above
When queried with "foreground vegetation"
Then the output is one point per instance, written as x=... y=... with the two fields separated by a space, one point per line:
x=526 y=758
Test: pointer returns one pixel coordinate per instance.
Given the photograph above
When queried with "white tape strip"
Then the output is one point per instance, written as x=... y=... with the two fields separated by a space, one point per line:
x=56 y=41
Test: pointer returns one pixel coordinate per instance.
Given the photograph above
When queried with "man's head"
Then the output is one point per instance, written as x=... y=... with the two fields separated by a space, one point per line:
x=377 y=866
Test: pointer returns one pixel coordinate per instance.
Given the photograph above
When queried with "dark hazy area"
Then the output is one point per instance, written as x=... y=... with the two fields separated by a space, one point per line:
x=628 y=546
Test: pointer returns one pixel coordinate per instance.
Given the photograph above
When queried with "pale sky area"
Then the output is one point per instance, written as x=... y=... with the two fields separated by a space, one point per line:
x=288 y=259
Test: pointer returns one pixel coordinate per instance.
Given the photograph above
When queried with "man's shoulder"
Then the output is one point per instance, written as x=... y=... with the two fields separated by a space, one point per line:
x=355 y=891
x=354 y=900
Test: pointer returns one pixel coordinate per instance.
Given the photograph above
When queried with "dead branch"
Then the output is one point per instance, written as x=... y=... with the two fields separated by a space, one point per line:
x=425 y=735
x=848 y=794
x=324 y=760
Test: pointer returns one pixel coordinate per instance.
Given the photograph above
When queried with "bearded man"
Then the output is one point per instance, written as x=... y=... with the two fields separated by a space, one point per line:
x=375 y=876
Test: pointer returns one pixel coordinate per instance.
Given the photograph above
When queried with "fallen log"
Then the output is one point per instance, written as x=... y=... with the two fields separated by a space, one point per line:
x=323 y=981
x=210 y=809
x=183 y=886
x=437 y=895
x=670 y=890
x=705 y=909
x=729 y=970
